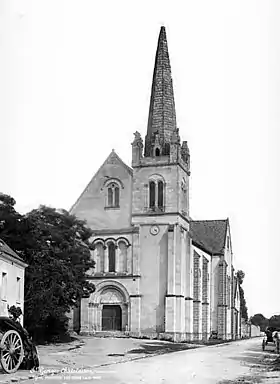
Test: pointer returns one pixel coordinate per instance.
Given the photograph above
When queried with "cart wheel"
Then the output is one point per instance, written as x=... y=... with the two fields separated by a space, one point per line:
x=263 y=345
x=11 y=351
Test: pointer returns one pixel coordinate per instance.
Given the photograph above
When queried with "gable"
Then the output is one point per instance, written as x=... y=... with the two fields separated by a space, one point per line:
x=95 y=203
x=210 y=235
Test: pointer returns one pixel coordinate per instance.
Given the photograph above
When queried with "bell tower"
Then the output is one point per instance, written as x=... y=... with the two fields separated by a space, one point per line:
x=163 y=157
x=160 y=209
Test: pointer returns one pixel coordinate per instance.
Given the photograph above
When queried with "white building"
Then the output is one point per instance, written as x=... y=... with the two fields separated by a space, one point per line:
x=12 y=270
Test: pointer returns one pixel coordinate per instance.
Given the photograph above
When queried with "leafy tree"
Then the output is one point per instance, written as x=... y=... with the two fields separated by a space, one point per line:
x=260 y=320
x=274 y=321
x=56 y=247
x=13 y=225
x=243 y=306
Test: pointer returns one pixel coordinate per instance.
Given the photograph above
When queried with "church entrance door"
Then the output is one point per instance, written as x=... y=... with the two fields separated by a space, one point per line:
x=111 y=318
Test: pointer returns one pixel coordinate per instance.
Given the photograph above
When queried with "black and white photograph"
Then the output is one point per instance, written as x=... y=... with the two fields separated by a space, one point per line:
x=139 y=191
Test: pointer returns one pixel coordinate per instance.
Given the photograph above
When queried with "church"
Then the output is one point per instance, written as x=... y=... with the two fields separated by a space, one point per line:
x=158 y=273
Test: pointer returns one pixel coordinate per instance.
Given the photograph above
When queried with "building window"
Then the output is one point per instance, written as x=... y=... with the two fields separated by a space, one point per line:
x=152 y=188
x=117 y=196
x=113 y=196
x=112 y=257
x=160 y=194
x=4 y=286
x=110 y=197
x=166 y=151
x=18 y=290
x=156 y=195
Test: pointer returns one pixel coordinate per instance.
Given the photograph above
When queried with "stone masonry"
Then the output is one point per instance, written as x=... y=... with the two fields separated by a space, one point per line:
x=158 y=273
x=205 y=299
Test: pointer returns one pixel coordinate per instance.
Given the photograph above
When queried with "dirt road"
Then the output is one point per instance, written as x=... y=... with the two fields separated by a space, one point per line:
x=241 y=361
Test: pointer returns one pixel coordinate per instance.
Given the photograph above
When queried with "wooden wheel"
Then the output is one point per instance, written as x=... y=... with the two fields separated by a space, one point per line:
x=11 y=351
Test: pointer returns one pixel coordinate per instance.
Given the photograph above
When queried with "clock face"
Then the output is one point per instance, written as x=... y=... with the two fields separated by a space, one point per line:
x=154 y=230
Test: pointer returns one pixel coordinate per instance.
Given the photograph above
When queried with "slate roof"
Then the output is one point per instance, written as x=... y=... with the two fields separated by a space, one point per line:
x=8 y=251
x=162 y=115
x=210 y=235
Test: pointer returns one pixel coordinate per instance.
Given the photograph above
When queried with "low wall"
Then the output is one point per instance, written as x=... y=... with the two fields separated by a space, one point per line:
x=255 y=331
x=249 y=330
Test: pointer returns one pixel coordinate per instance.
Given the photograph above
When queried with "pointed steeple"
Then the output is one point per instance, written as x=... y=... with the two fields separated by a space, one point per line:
x=162 y=115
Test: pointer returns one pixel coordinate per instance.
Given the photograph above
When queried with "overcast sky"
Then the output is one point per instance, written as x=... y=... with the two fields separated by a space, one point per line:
x=75 y=80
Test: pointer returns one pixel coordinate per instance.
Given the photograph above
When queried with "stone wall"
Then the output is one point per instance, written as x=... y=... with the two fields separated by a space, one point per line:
x=222 y=305
x=255 y=331
x=92 y=205
x=205 y=299
x=197 y=291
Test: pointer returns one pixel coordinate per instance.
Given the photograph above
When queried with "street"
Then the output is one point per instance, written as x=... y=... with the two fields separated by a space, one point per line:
x=215 y=364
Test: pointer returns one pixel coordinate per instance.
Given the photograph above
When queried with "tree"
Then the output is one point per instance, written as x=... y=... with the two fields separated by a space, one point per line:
x=13 y=225
x=243 y=306
x=59 y=259
x=260 y=320
x=56 y=247
x=274 y=321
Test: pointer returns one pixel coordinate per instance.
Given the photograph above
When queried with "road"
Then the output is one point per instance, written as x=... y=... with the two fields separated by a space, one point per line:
x=209 y=365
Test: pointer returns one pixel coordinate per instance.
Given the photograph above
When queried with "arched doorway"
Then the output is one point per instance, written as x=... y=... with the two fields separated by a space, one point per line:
x=111 y=318
x=108 y=293
x=112 y=302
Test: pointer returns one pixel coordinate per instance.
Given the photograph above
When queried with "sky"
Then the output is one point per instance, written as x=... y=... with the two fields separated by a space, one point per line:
x=75 y=81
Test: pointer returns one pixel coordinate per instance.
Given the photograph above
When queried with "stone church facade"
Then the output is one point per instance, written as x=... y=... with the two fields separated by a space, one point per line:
x=158 y=273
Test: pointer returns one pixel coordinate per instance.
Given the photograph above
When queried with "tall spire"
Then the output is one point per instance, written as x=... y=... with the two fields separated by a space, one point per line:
x=162 y=115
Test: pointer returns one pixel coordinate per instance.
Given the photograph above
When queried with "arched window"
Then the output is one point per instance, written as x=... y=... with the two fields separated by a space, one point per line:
x=160 y=194
x=113 y=196
x=110 y=197
x=112 y=257
x=117 y=196
x=166 y=149
x=152 y=189
x=156 y=193
x=157 y=152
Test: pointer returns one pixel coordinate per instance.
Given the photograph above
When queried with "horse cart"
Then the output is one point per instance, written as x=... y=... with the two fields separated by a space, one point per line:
x=16 y=347
x=272 y=337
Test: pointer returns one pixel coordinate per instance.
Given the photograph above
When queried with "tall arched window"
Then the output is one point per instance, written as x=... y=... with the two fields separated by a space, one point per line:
x=160 y=194
x=152 y=189
x=113 y=195
x=117 y=196
x=110 y=197
x=156 y=193
x=166 y=149
x=112 y=257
